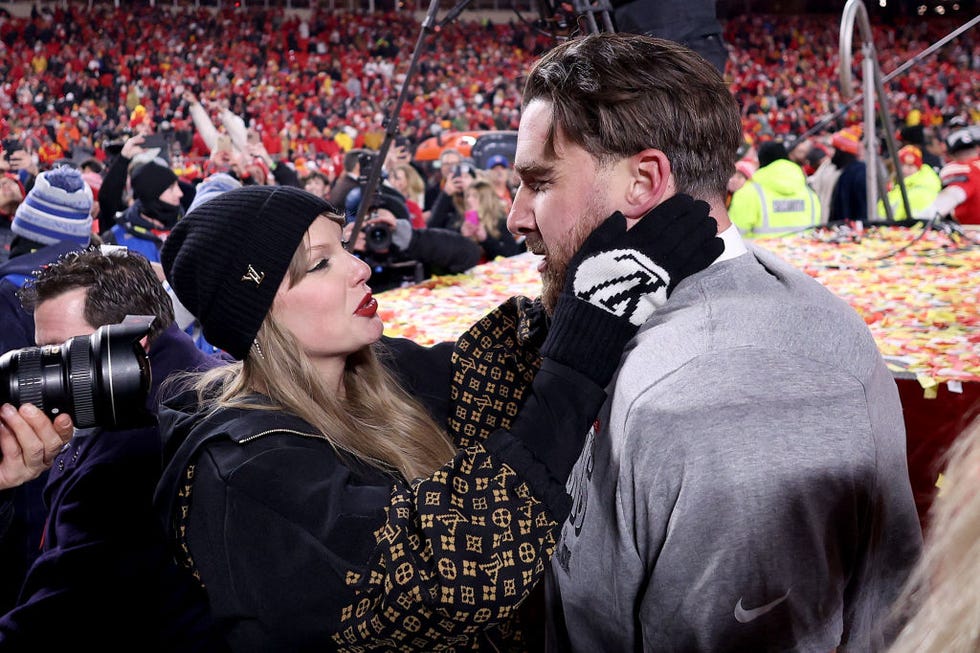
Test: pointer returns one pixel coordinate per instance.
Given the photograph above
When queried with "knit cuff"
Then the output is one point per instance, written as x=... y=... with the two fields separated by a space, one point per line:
x=401 y=235
x=586 y=338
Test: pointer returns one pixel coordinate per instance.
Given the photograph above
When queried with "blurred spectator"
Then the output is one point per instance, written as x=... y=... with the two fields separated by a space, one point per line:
x=922 y=185
x=11 y=195
x=485 y=222
x=499 y=171
x=849 y=200
x=777 y=200
x=155 y=210
x=317 y=183
x=407 y=181
x=350 y=178
x=450 y=204
x=744 y=169
x=400 y=254
x=53 y=219
x=960 y=196
x=20 y=161
x=449 y=160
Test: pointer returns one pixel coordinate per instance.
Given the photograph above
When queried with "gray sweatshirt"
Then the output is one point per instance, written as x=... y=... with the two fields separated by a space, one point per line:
x=746 y=488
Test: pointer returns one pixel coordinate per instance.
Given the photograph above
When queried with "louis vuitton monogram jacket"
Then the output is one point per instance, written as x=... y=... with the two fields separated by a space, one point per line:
x=301 y=549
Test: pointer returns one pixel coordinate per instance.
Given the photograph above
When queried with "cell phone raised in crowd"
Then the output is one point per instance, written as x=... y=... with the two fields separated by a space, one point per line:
x=151 y=141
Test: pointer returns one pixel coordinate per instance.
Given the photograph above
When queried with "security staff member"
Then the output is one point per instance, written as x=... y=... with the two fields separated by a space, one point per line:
x=777 y=200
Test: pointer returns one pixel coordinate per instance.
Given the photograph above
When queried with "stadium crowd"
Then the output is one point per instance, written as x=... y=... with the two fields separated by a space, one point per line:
x=315 y=87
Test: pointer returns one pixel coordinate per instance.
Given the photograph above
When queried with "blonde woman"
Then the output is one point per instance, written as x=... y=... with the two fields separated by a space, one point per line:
x=324 y=507
x=942 y=599
x=407 y=181
x=485 y=222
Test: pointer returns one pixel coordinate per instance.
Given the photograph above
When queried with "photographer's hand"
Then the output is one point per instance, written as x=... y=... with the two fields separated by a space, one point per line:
x=29 y=442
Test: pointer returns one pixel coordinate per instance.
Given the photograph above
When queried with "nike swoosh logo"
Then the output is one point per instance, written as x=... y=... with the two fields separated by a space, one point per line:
x=744 y=616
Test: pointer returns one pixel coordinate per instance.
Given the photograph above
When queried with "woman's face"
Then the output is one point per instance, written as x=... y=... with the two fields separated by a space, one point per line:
x=399 y=180
x=472 y=199
x=330 y=310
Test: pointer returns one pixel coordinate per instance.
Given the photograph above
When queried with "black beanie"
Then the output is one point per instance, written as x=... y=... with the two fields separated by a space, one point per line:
x=151 y=179
x=771 y=151
x=227 y=257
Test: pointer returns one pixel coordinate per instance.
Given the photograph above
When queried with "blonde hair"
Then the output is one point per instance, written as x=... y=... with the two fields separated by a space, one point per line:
x=377 y=422
x=491 y=209
x=414 y=181
x=942 y=598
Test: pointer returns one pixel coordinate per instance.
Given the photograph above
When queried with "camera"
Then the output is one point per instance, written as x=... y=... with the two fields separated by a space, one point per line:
x=100 y=380
x=377 y=237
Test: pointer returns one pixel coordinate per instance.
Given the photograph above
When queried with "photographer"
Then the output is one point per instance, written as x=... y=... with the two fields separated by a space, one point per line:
x=18 y=159
x=400 y=254
x=105 y=574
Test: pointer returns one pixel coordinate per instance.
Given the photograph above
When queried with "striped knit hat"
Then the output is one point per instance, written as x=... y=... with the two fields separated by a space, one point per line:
x=58 y=208
x=227 y=257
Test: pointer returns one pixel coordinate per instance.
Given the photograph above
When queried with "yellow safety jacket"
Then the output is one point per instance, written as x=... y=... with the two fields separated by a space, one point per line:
x=776 y=201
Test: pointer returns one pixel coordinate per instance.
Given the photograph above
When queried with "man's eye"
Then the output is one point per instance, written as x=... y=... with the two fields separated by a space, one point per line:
x=320 y=265
x=535 y=185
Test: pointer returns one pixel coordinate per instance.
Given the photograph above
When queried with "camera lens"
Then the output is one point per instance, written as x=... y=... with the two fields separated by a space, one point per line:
x=102 y=379
x=378 y=237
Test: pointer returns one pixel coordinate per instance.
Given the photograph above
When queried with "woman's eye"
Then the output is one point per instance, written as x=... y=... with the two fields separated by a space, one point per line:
x=320 y=265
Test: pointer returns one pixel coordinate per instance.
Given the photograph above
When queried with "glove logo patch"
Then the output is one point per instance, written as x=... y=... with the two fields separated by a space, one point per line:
x=623 y=282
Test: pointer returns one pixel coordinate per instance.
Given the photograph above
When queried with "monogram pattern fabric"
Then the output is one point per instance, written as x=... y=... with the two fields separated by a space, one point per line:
x=463 y=548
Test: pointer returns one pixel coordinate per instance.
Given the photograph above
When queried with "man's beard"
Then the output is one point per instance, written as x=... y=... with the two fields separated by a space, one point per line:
x=560 y=253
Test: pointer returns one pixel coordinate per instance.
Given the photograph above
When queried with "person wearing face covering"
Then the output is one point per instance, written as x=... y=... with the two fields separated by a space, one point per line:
x=155 y=210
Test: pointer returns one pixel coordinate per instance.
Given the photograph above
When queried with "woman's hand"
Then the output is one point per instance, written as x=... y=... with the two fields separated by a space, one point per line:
x=29 y=442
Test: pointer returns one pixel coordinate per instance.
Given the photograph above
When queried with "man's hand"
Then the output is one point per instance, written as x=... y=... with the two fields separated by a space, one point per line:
x=29 y=442
x=377 y=216
x=22 y=160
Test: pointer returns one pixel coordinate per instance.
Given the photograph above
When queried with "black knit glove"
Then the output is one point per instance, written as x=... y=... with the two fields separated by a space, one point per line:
x=618 y=278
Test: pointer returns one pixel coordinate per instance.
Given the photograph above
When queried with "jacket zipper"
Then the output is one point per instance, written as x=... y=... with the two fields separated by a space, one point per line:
x=318 y=436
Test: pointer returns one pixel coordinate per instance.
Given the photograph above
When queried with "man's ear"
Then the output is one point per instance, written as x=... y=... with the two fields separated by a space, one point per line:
x=145 y=343
x=651 y=182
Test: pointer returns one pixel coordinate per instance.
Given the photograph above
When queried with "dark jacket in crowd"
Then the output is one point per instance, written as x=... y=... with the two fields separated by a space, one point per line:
x=302 y=549
x=24 y=505
x=106 y=577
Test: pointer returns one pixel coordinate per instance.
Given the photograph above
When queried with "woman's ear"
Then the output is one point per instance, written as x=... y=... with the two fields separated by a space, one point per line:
x=651 y=182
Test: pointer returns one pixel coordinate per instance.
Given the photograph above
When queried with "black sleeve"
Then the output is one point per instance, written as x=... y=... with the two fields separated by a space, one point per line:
x=6 y=510
x=444 y=251
x=503 y=245
x=443 y=213
x=16 y=324
x=285 y=175
x=111 y=193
